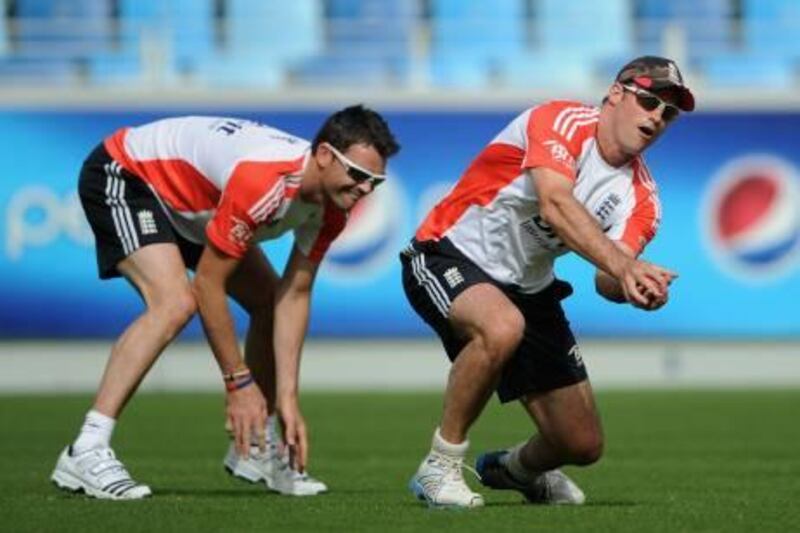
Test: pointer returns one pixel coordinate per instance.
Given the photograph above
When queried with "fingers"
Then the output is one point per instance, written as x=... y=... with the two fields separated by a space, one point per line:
x=653 y=302
x=298 y=448
x=261 y=424
x=302 y=452
x=663 y=275
x=296 y=441
x=245 y=439
x=290 y=441
x=634 y=292
x=261 y=437
x=238 y=432
x=247 y=417
x=646 y=285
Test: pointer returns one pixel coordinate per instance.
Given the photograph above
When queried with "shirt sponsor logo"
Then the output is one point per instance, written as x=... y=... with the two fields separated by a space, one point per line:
x=560 y=153
x=240 y=232
x=542 y=233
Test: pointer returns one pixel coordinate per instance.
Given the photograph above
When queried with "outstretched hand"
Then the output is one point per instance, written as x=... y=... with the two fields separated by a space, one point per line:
x=294 y=432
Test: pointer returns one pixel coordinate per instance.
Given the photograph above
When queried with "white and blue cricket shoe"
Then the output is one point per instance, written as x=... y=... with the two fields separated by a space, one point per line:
x=551 y=487
x=439 y=482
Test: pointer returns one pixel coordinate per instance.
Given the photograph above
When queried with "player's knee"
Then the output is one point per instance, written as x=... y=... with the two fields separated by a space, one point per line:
x=585 y=448
x=178 y=309
x=501 y=338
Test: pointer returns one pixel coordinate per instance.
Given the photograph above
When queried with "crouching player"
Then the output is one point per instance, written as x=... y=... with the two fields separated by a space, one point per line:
x=562 y=176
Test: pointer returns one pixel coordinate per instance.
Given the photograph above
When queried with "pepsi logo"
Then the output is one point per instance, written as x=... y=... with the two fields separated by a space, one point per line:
x=752 y=218
x=372 y=237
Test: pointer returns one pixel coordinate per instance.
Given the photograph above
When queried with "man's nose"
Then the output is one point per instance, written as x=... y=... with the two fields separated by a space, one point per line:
x=365 y=187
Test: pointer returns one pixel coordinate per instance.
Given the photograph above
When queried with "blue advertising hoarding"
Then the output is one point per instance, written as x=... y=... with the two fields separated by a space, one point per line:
x=731 y=228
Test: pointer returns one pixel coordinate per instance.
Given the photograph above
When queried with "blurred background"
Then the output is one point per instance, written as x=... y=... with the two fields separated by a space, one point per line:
x=448 y=75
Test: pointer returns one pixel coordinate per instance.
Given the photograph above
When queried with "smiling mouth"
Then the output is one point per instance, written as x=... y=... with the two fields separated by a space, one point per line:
x=647 y=131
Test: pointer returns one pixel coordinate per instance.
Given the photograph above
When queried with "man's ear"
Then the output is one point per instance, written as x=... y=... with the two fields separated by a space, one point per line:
x=615 y=93
x=323 y=156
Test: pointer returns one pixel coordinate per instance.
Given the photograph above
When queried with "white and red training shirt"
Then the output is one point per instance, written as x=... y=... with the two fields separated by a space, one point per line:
x=492 y=214
x=228 y=181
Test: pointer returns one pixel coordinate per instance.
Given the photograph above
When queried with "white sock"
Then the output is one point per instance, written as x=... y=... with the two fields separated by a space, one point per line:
x=439 y=445
x=95 y=432
x=512 y=461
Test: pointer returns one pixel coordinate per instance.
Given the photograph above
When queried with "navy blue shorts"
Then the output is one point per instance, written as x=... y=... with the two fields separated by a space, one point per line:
x=548 y=357
x=124 y=214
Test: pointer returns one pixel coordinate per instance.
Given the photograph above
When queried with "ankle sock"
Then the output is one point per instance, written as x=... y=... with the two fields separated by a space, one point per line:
x=512 y=462
x=439 y=445
x=95 y=432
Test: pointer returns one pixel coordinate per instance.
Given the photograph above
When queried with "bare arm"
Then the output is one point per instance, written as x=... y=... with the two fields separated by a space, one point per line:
x=213 y=271
x=292 y=309
x=580 y=232
x=245 y=407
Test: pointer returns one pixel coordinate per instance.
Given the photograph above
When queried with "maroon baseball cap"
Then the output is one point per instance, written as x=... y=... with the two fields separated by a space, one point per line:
x=653 y=72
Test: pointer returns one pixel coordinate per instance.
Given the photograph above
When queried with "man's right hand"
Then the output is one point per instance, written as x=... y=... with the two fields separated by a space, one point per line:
x=643 y=283
x=246 y=413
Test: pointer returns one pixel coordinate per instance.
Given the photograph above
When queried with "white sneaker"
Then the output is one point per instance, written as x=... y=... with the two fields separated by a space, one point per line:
x=552 y=487
x=439 y=482
x=98 y=473
x=561 y=489
x=274 y=469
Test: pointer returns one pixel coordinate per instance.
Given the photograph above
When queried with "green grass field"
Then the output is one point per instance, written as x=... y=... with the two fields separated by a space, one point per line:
x=675 y=461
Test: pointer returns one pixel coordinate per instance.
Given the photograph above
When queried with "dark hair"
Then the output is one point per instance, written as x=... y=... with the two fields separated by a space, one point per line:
x=357 y=125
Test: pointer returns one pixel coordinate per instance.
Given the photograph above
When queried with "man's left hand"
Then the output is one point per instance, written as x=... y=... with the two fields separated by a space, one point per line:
x=294 y=432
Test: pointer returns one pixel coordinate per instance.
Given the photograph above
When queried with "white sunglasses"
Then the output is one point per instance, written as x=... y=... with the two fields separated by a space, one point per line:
x=651 y=102
x=358 y=173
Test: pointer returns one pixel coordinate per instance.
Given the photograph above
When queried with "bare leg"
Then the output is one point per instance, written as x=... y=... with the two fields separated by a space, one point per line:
x=158 y=273
x=494 y=327
x=569 y=429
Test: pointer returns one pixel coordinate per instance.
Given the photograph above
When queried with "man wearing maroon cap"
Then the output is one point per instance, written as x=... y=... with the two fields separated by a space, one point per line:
x=561 y=177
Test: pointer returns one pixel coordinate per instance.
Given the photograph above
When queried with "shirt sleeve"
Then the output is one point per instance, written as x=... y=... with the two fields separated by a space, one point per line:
x=251 y=197
x=314 y=237
x=554 y=135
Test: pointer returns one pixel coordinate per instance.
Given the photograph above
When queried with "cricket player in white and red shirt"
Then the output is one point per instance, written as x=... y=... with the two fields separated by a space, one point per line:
x=561 y=177
x=200 y=193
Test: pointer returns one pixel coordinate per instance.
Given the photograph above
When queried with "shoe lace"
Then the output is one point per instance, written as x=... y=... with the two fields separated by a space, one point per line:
x=453 y=468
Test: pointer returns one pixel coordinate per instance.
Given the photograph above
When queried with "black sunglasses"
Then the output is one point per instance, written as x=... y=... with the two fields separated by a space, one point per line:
x=357 y=173
x=650 y=102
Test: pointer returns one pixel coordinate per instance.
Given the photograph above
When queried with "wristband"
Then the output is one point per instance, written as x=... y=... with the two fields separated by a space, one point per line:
x=231 y=386
x=237 y=374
